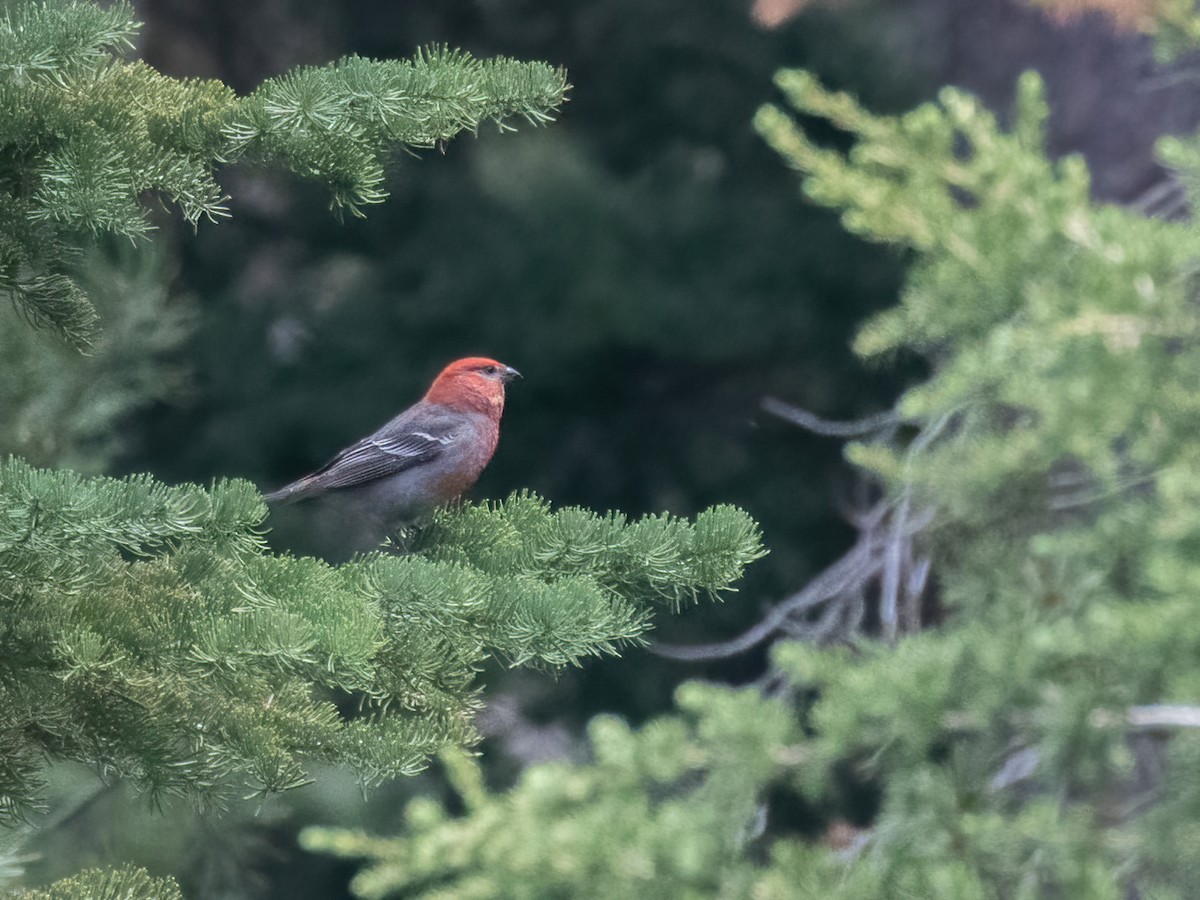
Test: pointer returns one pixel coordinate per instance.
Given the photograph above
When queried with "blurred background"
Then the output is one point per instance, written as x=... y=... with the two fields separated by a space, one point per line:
x=646 y=262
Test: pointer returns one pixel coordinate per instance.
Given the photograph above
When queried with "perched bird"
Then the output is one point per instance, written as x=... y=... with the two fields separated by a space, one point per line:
x=430 y=454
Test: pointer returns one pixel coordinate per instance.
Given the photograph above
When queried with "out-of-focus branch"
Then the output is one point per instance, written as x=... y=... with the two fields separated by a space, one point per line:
x=843 y=585
x=1157 y=718
x=883 y=555
x=852 y=571
x=809 y=422
x=1162 y=716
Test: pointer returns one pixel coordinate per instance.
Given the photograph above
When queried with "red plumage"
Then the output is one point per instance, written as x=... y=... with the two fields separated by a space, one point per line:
x=427 y=456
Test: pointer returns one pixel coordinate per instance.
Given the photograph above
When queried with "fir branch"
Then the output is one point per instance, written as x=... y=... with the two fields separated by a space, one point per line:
x=90 y=134
x=106 y=884
x=53 y=40
x=336 y=122
x=54 y=301
x=658 y=556
x=145 y=630
x=30 y=254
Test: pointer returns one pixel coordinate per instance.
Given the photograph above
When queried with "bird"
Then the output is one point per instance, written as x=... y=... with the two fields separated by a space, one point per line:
x=427 y=456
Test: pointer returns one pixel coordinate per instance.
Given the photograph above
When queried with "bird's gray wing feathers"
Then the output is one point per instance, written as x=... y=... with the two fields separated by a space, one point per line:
x=388 y=451
x=378 y=456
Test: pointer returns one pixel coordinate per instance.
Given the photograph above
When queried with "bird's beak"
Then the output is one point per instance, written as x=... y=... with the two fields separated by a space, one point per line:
x=509 y=374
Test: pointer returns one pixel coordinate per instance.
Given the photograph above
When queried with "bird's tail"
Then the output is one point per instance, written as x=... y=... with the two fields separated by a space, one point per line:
x=291 y=493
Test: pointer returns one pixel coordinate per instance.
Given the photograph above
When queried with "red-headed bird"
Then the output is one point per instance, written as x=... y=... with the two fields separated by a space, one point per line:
x=429 y=455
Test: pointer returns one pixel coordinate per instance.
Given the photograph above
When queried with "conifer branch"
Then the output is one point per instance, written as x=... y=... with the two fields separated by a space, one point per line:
x=90 y=133
x=146 y=631
x=130 y=882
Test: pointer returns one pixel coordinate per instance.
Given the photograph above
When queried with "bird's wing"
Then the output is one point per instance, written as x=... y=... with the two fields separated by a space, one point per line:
x=381 y=455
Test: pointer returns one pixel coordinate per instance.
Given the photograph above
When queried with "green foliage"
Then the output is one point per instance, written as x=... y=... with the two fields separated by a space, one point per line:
x=1033 y=301
x=665 y=811
x=129 y=883
x=148 y=634
x=1176 y=29
x=662 y=557
x=65 y=408
x=89 y=134
x=1056 y=441
x=331 y=122
x=1018 y=746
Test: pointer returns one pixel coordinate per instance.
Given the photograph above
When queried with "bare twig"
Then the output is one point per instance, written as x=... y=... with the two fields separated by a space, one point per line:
x=1150 y=717
x=883 y=554
x=1166 y=80
x=1017 y=767
x=1089 y=496
x=889 y=588
x=854 y=569
x=843 y=583
x=1155 y=718
x=1161 y=716
x=824 y=427
x=914 y=590
x=1165 y=200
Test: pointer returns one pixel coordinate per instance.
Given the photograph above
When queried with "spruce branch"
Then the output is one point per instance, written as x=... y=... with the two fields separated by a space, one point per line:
x=90 y=134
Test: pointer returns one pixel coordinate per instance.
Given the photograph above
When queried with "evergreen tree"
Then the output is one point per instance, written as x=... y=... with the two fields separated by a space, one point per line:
x=1023 y=723
x=147 y=632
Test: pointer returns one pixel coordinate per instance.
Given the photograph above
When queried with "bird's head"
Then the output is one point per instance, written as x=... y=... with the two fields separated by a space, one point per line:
x=472 y=383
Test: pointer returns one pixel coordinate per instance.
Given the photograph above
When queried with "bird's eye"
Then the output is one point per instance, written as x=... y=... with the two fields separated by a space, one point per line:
x=490 y=370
